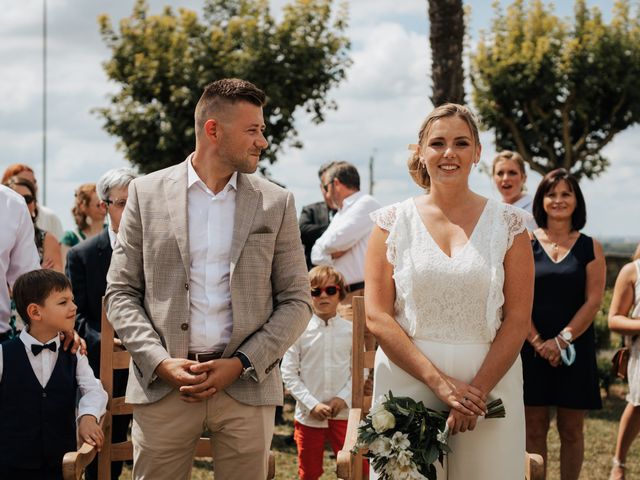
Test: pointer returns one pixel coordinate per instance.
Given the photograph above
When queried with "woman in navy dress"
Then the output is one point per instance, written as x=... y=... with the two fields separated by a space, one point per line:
x=559 y=358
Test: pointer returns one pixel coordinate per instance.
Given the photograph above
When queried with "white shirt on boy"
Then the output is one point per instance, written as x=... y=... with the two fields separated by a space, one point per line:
x=317 y=367
x=93 y=400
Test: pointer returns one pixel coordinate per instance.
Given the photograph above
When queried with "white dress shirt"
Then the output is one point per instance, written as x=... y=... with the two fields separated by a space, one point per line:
x=348 y=232
x=93 y=398
x=211 y=222
x=317 y=367
x=526 y=203
x=18 y=253
x=113 y=238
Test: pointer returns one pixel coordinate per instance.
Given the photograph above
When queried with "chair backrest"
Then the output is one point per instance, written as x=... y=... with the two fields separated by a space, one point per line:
x=362 y=358
x=112 y=358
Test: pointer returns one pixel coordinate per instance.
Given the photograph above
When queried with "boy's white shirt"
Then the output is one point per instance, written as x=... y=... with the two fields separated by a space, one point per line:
x=317 y=368
x=93 y=400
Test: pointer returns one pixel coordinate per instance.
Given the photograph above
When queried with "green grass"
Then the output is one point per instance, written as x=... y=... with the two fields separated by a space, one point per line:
x=600 y=434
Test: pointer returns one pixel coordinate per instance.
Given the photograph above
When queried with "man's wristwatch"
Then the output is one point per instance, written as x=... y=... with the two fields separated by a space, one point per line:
x=247 y=368
x=567 y=336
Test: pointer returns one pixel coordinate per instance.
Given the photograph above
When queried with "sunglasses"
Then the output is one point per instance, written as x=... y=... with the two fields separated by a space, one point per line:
x=325 y=186
x=330 y=290
x=28 y=198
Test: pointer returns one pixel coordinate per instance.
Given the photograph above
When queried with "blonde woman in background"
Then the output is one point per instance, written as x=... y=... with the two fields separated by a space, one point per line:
x=510 y=176
x=624 y=318
x=88 y=213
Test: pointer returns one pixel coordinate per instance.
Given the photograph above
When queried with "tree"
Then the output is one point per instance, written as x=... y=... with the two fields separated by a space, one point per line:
x=446 y=36
x=161 y=64
x=556 y=92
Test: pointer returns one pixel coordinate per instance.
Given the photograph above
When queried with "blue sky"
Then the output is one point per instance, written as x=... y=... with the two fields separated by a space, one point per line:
x=381 y=105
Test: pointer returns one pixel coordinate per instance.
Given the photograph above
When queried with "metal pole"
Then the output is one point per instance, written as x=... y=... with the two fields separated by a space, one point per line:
x=371 y=179
x=44 y=101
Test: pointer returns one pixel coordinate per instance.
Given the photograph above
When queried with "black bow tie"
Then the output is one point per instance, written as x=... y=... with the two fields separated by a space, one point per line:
x=36 y=349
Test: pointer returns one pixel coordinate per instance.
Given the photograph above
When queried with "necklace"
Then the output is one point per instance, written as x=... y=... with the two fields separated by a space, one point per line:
x=555 y=245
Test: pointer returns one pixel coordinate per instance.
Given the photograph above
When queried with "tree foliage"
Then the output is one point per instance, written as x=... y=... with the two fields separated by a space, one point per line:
x=446 y=37
x=161 y=64
x=558 y=92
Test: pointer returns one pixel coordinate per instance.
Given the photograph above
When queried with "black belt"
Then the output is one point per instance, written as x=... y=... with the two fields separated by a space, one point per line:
x=204 y=356
x=356 y=286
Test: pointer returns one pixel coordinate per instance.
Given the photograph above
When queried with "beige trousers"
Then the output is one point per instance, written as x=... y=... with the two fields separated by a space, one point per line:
x=165 y=434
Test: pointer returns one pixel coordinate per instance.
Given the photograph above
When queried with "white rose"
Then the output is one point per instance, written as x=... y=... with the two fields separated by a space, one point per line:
x=378 y=405
x=382 y=420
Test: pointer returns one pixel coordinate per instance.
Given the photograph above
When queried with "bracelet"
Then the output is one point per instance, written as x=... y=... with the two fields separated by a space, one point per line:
x=533 y=340
x=558 y=343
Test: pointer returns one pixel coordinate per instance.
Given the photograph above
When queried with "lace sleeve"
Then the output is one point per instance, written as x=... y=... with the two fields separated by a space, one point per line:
x=516 y=221
x=385 y=217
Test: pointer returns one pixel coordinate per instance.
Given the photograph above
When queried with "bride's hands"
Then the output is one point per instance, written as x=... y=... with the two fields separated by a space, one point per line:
x=460 y=396
x=459 y=423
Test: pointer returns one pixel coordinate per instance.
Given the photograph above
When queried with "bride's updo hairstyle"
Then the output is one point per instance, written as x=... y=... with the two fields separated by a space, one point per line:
x=417 y=168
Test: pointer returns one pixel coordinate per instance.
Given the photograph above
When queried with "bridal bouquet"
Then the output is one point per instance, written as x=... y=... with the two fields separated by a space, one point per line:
x=403 y=438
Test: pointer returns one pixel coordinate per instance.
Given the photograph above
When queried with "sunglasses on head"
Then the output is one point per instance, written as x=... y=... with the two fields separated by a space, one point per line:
x=28 y=198
x=330 y=290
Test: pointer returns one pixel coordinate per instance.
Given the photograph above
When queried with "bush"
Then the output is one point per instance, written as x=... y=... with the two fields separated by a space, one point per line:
x=600 y=324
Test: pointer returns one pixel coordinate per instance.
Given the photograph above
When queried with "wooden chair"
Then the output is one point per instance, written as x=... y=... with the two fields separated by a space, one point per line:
x=112 y=358
x=349 y=466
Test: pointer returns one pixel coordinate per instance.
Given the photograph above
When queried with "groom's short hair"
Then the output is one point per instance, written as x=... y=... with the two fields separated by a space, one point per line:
x=222 y=93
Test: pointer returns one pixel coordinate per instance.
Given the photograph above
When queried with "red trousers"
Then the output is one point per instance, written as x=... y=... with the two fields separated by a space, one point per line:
x=310 y=443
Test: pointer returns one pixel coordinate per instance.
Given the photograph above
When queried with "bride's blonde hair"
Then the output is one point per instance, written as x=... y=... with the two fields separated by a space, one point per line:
x=417 y=169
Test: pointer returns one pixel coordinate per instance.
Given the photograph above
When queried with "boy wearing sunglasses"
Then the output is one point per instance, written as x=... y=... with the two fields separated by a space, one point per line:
x=317 y=372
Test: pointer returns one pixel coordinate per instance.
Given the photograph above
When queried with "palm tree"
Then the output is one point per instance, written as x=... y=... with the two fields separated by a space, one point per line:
x=446 y=18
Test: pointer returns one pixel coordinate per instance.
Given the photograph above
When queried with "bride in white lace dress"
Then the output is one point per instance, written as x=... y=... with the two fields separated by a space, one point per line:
x=449 y=287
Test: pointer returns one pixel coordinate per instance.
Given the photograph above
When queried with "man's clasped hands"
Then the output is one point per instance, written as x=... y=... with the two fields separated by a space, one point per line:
x=199 y=381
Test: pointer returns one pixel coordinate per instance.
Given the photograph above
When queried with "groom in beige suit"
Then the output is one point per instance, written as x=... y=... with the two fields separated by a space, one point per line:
x=207 y=289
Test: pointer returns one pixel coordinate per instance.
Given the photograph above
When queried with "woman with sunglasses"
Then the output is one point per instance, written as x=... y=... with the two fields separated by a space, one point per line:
x=559 y=357
x=449 y=286
x=46 y=242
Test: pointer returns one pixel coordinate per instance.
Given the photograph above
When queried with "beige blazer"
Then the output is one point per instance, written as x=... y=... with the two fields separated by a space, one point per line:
x=147 y=294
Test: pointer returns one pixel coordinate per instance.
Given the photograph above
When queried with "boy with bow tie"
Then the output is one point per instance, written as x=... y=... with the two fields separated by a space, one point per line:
x=39 y=382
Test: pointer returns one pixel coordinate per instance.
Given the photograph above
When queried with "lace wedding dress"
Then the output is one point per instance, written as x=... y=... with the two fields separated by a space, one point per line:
x=451 y=307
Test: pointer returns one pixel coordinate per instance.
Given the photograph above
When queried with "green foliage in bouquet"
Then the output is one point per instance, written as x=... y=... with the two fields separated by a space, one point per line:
x=404 y=438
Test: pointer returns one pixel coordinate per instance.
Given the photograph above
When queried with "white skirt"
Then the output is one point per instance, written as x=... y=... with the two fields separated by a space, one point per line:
x=633 y=373
x=495 y=449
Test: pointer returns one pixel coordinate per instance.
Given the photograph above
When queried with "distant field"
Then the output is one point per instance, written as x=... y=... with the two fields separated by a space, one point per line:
x=619 y=248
